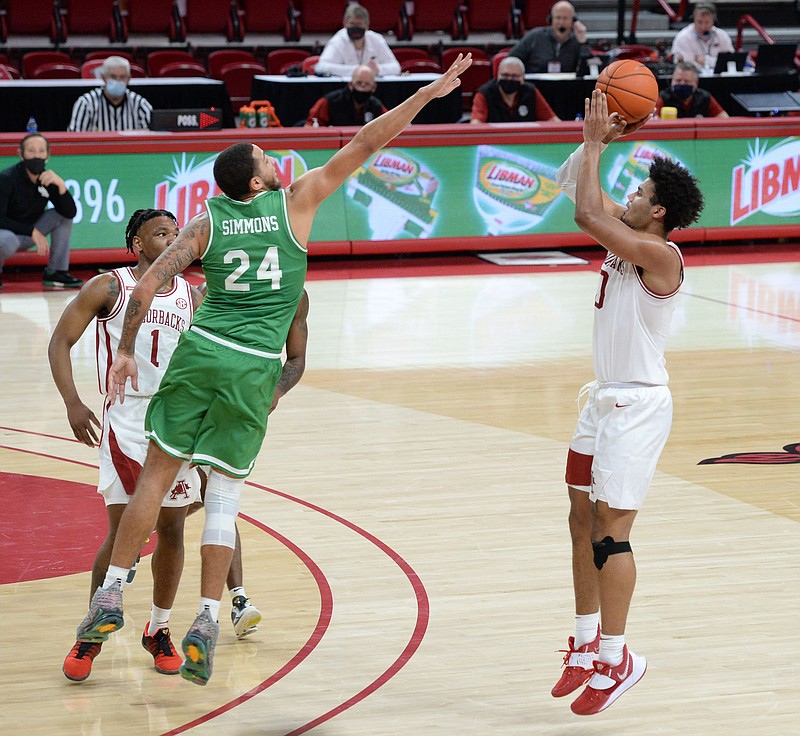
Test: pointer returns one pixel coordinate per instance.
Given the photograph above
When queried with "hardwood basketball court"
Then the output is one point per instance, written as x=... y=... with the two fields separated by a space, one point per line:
x=404 y=530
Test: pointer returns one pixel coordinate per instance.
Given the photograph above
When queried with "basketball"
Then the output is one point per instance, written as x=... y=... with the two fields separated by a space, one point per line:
x=631 y=89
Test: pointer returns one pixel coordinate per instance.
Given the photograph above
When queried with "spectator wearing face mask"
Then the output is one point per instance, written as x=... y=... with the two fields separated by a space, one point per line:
x=557 y=47
x=355 y=104
x=509 y=98
x=701 y=42
x=686 y=97
x=25 y=220
x=112 y=106
x=355 y=45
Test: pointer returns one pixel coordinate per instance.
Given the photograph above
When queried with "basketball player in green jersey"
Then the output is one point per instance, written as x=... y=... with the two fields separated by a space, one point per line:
x=213 y=402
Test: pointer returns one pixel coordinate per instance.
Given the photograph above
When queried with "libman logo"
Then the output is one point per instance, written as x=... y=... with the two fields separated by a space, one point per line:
x=393 y=168
x=767 y=181
x=191 y=182
x=508 y=180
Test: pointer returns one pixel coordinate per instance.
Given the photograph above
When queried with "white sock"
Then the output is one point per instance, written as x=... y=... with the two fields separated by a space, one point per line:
x=586 y=628
x=237 y=591
x=159 y=619
x=611 y=648
x=115 y=574
x=210 y=605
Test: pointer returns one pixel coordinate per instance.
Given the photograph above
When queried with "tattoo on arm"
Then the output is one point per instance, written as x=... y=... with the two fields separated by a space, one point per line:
x=133 y=320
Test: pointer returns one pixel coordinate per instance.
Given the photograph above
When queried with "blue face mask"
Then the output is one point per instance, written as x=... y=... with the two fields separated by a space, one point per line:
x=683 y=91
x=115 y=88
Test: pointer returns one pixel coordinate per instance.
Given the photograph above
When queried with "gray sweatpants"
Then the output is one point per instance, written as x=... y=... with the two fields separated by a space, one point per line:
x=58 y=227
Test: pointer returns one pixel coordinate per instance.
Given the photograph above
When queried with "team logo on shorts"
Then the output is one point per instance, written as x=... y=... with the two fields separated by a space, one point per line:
x=181 y=490
x=789 y=456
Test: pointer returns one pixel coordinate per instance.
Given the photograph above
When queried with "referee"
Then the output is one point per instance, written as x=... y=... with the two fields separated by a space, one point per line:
x=112 y=106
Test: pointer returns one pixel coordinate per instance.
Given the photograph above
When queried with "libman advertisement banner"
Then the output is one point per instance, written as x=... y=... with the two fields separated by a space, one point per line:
x=445 y=191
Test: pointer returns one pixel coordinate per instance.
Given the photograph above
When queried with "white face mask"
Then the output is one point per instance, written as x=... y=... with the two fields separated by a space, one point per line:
x=115 y=88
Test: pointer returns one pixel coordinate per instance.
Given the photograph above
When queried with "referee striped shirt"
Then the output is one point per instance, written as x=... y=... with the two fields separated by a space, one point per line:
x=93 y=111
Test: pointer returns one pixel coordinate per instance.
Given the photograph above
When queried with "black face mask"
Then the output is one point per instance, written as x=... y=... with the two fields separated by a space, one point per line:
x=356 y=34
x=509 y=86
x=360 y=95
x=683 y=91
x=35 y=165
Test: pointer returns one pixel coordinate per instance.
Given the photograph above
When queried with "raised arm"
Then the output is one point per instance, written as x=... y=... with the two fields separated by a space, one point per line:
x=638 y=246
x=296 y=342
x=183 y=251
x=308 y=192
x=95 y=299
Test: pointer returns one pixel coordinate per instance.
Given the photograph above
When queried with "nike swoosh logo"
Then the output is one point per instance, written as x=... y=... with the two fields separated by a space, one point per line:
x=627 y=668
x=621 y=406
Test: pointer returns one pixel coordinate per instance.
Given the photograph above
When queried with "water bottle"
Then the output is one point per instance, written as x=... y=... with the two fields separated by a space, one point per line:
x=749 y=66
x=314 y=123
x=32 y=126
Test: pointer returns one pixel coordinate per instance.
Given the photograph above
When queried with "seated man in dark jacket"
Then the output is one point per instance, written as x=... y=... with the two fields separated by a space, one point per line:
x=686 y=97
x=509 y=98
x=356 y=104
x=556 y=47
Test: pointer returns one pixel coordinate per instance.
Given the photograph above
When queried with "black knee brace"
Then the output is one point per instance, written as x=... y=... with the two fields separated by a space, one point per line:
x=603 y=550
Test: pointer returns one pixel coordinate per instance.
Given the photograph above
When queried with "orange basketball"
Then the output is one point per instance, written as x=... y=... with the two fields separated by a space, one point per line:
x=631 y=89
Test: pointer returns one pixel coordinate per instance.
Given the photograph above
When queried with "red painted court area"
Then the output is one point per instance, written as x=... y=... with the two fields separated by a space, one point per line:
x=49 y=527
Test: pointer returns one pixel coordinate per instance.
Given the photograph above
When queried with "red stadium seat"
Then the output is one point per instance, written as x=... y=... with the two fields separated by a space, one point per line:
x=56 y=71
x=309 y=63
x=491 y=16
x=405 y=53
x=476 y=75
x=182 y=69
x=219 y=59
x=157 y=59
x=156 y=16
x=92 y=55
x=34 y=59
x=320 y=16
x=497 y=58
x=420 y=66
x=89 y=69
x=270 y=16
x=101 y=17
x=215 y=16
x=238 y=79
x=279 y=58
x=449 y=16
x=449 y=55
x=8 y=72
x=387 y=16
x=36 y=18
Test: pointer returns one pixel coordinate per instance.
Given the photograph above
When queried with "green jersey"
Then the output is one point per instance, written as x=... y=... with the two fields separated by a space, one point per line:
x=255 y=270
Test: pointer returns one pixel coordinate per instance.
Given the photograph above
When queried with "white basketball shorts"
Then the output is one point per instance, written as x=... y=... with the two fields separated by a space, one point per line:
x=620 y=434
x=123 y=448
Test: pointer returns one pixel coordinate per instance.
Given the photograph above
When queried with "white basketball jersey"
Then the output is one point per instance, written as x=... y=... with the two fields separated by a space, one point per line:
x=631 y=326
x=169 y=315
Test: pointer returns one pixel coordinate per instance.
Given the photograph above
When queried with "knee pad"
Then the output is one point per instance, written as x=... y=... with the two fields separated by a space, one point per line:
x=222 y=508
x=603 y=550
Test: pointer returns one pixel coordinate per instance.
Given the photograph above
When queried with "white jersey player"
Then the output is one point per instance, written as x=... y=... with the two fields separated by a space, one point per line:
x=123 y=445
x=626 y=419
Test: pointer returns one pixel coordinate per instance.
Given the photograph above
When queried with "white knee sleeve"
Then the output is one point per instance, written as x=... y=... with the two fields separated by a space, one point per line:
x=222 y=508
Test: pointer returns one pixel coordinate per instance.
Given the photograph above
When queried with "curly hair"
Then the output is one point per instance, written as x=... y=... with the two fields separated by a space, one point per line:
x=677 y=191
x=139 y=218
x=234 y=168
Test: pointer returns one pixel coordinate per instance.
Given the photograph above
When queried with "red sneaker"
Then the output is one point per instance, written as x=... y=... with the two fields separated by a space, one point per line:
x=167 y=660
x=579 y=666
x=609 y=682
x=78 y=664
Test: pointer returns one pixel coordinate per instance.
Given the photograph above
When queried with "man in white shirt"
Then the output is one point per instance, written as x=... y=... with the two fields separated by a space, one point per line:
x=112 y=106
x=355 y=45
x=701 y=42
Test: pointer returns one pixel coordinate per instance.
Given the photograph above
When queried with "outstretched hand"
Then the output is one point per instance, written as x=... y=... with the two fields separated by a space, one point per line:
x=601 y=127
x=123 y=368
x=449 y=81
